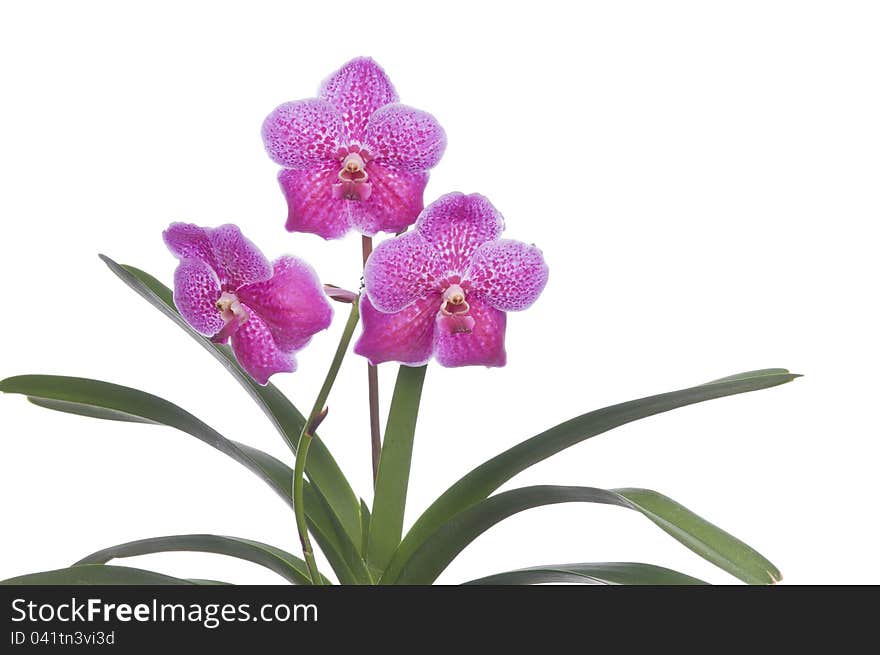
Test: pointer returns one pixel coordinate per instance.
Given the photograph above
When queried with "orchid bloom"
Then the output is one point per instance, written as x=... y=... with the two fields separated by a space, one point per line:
x=353 y=157
x=227 y=290
x=444 y=288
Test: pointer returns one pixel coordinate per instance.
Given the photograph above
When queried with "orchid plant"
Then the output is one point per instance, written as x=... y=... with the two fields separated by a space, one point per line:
x=438 y=287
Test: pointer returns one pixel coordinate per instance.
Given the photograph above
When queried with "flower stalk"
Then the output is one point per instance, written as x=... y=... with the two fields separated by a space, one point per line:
x=319 y=411
x=373 y=386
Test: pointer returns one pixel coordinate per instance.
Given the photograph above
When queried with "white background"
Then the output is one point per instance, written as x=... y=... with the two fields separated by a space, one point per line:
x=702 y=178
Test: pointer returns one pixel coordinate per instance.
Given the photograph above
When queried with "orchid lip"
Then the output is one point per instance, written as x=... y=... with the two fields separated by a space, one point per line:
x=353 y=176
x=454 y=301
x=353 y=168
x=231 y=309
x=352 y=190
x=454 y=314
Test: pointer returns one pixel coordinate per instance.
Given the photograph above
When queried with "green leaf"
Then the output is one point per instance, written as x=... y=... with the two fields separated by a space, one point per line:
x=345 y=559
x=202 y=581
x=105 y=400
x=96 y=574
x=86 y=410
x=288 y=566
x=322 y=469
x=365 y=525
x=489 y=476
x=707 y=540
x=389 y=502
x=752 y=375
x=703 y=538
x=606 y=573
x=111 y=401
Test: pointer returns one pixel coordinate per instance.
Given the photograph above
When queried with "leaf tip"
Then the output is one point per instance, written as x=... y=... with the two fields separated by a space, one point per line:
x=7 y=384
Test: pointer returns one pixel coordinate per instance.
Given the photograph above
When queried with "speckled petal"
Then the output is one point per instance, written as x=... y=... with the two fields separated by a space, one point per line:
x=482 y=347
x=401 y=270
x=356 y=90
x=292 y=304
x=256 y=350
x=406 y=336
x=302 y=133
x=240 y=261
x=189 y=241
x=457 y=224
x=311 y=206
x=196 y=290
x=508 y=274
x=410 y=139
x=395 y=201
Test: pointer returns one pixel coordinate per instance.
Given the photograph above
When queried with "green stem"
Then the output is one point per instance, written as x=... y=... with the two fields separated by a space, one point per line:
x=373 y=386
x=305 y=440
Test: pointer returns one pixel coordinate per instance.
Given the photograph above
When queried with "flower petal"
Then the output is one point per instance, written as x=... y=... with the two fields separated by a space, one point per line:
x=410 y=139
x=240 y=261
x=356 y=90
x=456 y=225
x=302 y=133
x=400 y=271
x=292 y=303
x=394 y=202
x=508 y=274
x=189 y=241
x=256 y=350
x=196 y=290
x=406 y=336
x=484 y=346
x=310 y=202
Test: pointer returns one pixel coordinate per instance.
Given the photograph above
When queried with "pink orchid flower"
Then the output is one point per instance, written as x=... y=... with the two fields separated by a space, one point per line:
x=353 y=157
x=227 y=290
x=443 y=288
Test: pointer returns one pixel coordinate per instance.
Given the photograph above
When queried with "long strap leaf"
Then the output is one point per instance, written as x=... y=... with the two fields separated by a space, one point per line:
x=489 y=476
x=706 y=540
x=97 y=574
x=286 y=565
x=389 y=503
x=607 y=573
x=105 y=400
x=322 y=469
x=345 y=551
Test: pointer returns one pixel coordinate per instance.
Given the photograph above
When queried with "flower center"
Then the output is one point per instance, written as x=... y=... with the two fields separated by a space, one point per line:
x=233 y=313
x=231 y=309
x=453 y=315
x=353 y=176
x=353 y=168
x=453 y=300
